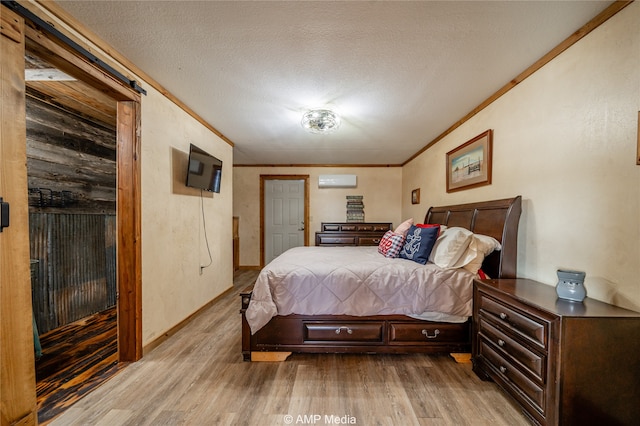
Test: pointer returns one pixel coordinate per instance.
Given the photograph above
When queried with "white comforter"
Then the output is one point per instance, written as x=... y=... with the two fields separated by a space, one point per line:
x=355 y=281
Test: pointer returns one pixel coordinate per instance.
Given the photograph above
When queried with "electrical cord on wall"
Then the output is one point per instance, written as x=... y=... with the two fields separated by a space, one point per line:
x=204 y=224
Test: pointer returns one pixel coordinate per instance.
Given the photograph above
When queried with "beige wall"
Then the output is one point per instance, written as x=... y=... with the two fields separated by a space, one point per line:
x=565 y=139
x=174 y=245
x=380 y=187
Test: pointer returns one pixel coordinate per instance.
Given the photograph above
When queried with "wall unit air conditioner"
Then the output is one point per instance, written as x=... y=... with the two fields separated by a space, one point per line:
x=337 y=181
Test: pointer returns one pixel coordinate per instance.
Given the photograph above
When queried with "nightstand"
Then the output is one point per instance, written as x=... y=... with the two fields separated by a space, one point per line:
x=563 y=362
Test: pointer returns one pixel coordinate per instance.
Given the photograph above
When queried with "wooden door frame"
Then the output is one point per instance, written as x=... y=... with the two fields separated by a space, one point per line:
x=129 y=238
x=128 y=177
x=264 y=178
x=17 y=364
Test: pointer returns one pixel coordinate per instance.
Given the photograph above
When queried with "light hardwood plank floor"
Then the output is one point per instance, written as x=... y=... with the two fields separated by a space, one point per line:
x=197 y=377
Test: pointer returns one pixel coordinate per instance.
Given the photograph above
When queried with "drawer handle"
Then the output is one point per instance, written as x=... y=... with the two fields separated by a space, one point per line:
x=503 y=315
x=503 y=370
x=435 y=333
x=500 y=342
x=339 y=329
x=376 y=240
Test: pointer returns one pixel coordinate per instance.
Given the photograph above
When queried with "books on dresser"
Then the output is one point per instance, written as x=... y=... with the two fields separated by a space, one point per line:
x=355 y=208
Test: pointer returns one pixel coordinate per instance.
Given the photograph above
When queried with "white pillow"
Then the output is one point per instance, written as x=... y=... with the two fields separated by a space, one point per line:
x=403 y=228
x=450 y=246
x=480 y=247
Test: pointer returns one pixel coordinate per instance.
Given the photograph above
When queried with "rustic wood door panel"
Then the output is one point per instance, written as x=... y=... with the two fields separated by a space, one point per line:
x=17 y=364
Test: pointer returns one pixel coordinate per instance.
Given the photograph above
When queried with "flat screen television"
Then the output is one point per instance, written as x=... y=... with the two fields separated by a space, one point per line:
x=204 y=170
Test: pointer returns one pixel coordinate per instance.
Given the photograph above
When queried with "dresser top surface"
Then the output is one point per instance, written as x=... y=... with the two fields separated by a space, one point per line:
x=355 y=223
x=544 y=297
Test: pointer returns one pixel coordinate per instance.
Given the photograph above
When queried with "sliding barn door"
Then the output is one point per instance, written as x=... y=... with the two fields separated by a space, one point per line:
x=17 y=364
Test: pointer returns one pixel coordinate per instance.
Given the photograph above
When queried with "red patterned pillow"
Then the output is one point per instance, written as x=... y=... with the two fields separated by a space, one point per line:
x=391 y=244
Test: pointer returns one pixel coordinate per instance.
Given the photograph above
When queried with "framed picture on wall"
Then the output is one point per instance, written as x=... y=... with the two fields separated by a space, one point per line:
x=469 y=165
x=415 y=196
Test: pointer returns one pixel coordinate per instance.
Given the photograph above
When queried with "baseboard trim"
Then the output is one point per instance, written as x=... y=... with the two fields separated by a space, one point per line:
x=146 y=349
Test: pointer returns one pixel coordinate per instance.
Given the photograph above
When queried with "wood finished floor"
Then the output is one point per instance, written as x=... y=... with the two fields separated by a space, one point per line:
x=76 y=358
x=197 y=377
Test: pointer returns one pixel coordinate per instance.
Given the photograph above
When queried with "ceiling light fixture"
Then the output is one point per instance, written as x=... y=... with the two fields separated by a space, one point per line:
x=320 y=121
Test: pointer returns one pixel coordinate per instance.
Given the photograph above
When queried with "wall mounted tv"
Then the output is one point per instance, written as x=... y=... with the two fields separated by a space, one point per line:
x=204 y=170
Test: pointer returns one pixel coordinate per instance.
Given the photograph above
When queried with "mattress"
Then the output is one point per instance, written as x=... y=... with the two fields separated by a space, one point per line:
x=356 y=281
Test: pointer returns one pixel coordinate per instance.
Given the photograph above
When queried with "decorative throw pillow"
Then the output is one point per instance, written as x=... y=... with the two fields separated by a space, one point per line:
x=480 y=247
x=391 y=244
x=403 y=228
x=431 y=225
x=419 y=243
x=450 y=247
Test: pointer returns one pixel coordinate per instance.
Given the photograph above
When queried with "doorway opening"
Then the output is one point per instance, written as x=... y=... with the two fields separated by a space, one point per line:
x=71 y=175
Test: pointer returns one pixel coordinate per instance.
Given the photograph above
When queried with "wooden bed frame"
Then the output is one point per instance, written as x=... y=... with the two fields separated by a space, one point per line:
x=394 y=333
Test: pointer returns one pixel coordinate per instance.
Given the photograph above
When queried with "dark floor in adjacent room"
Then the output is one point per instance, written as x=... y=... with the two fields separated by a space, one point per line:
x=76 y=358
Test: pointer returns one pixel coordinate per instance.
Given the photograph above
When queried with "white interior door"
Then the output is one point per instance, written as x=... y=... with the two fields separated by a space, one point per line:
x=283 y=216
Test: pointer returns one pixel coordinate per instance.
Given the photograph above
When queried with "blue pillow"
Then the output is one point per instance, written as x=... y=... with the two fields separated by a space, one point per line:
x=419 y=243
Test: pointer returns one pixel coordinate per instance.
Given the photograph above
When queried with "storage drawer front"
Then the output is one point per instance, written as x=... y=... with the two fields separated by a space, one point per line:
x=279 y=331
x=324 y=239
x=530 y=360
x=527 y=327
x=368 y=241
x=343 y=332
x=401 y=333
x=514 y=377
x=355 y=227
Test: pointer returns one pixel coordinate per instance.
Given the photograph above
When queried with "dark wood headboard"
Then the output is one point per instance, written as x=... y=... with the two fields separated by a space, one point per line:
x=498 y=219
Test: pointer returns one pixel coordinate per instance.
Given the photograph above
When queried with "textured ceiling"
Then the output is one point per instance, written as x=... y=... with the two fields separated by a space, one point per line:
x=399 y=73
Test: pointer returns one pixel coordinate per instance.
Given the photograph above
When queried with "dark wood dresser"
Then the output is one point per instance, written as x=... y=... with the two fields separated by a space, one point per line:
x=565 y=363
x=351 y=234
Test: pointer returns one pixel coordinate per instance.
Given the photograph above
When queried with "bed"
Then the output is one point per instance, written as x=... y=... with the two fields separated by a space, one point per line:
x=382 y=332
